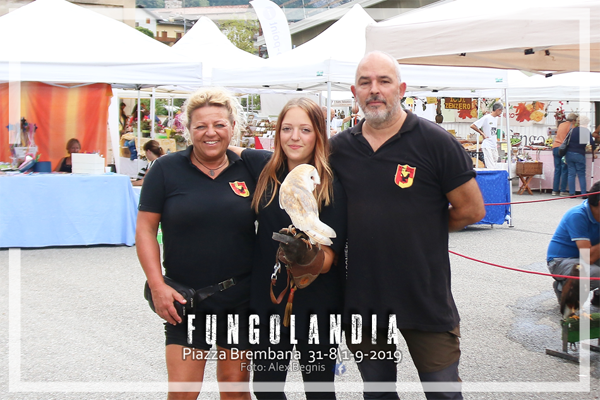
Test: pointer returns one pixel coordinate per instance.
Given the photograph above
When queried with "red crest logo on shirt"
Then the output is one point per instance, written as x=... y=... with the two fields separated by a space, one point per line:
x=405 y=174
x=240 y=188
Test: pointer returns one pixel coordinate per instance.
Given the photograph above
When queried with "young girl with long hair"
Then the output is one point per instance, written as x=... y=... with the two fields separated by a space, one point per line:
x=301 y=138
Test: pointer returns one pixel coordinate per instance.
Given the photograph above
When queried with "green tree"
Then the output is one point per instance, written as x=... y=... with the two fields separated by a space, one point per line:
x=196 y=3
x=254 y=102
x=145 y=31
x=241 y=33
x=150 y=3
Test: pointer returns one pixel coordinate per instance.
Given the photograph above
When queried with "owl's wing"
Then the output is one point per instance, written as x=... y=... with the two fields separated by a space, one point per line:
x=299 y=204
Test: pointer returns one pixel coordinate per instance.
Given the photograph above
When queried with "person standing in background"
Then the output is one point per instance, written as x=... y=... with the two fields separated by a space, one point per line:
x=486 y=126
x=560 y=168
x=575 y=157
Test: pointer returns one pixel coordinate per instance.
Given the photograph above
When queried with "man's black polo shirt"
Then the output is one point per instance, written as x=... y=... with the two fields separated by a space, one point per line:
x=398 y=223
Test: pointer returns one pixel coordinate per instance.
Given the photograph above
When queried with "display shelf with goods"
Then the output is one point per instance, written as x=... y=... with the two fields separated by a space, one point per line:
x=264 y=134
x=22 y=142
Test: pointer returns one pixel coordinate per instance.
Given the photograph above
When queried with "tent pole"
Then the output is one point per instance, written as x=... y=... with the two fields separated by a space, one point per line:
x=152 y=113
x=328 y=108
x=509 y=158
x=477 y=137
x=139 y=119
x=114 y=114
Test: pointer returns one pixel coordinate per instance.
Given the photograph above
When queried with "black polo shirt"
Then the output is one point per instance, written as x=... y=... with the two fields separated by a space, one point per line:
x=208 y=225
x=324 y=296
x=398 y=223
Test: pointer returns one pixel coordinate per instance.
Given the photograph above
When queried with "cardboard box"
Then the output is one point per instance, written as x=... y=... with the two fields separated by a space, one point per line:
x=87 y=164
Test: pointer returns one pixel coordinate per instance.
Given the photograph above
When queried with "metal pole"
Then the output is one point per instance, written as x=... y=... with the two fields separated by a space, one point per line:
x=152 y=113
x=328 y=108
x=139 y=120
x=183 y=14
x=477 y=135
x=509 y=159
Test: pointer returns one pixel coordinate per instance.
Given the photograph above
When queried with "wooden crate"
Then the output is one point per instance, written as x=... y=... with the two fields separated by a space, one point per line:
x=529 y=168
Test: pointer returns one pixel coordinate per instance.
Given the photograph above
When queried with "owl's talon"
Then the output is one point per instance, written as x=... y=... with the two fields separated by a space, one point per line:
x=307 y=242
x=292 y=230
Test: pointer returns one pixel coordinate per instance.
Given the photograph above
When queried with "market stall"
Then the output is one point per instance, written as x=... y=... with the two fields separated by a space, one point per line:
x=533 y=35
x=87 y=58
x=545 y=180
x=42 y=210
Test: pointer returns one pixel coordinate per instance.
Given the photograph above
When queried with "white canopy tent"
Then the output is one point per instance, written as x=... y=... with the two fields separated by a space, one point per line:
x=80 y=46
x=543 y=36
x=329 y=62
x=206 y=44
x=533 y=35
x=527 y=87
x=56 y=41
x=330 y=57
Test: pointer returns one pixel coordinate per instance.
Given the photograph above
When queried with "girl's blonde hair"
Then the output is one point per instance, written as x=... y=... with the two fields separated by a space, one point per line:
x=268 y=183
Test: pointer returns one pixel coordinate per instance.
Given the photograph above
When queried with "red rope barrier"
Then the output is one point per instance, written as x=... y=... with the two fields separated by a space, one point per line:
x=540 y=201
x=519 y=270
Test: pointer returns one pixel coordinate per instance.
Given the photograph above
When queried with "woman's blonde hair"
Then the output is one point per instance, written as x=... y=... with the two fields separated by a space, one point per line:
x=268 y=183
x=219 y=97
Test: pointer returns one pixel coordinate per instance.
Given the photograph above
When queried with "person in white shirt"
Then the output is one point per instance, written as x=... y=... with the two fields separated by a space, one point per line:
x=335 y=123
x=486 y=126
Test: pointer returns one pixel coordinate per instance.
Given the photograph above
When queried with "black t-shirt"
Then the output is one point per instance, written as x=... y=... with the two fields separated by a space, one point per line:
x=208 y=225
x=322 y=297
x=64 y=167
x=398 y=223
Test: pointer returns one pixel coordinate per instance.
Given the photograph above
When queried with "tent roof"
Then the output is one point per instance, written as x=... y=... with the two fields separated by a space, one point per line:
x=205 y=43
x=330 y=57
x=488 y=33
x=572 y=86
x=333 y=57
x=79 y=45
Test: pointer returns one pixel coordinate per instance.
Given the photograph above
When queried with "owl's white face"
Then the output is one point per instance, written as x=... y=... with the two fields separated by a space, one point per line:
x=298 y=137
x=314 y=176
x=310 y=177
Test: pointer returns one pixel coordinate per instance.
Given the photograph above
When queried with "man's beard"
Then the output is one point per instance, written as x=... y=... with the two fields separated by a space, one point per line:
x=377 y=116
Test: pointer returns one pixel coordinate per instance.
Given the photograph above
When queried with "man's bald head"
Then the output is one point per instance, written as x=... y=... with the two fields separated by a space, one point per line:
x=379 y=56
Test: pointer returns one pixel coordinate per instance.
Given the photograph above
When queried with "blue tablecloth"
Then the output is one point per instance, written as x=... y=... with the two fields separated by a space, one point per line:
x=495 y=188
x=65 y=210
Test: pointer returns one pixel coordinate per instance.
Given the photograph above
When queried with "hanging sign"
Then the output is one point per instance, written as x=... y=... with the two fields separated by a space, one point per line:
x=458 y=103
x=274 y=25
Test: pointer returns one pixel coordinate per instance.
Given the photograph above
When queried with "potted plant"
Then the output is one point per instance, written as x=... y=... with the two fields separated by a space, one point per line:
x=180 y=141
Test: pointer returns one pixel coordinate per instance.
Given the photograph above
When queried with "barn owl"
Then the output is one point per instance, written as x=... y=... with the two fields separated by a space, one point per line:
x=297 y=199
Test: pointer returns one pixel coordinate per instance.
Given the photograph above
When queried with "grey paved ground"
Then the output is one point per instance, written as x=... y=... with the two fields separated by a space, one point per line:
x=85 y=325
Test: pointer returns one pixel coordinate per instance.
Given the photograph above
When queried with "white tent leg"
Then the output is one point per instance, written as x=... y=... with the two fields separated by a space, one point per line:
x=139 y=120
x=477 y=136
x=328 y=108
x=113 y=128
x=152 y=113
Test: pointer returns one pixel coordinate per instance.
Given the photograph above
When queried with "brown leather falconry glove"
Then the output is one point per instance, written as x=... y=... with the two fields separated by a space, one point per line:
x=303 y=260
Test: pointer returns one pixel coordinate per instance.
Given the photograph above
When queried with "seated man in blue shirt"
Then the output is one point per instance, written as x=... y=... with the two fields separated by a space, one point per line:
x=579 y=229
